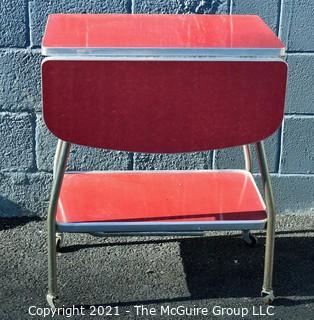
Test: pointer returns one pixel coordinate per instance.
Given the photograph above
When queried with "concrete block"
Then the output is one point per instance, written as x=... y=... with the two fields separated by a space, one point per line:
x=16 y=142
x=20 y=80
x=180 y=6
x=81 y=158
x=300 y=93
x=297 y=27
x=24 y=194
x=234 y=158
x=13 y=32
x=186 y=161
x=298 y=146
x=39 y=10
x=294 y=193
x=268 y=10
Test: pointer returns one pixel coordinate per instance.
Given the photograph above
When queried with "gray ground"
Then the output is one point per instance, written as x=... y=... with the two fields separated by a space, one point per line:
x=154 y=272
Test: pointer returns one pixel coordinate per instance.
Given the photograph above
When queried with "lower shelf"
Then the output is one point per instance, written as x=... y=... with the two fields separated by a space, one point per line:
x=160 y=201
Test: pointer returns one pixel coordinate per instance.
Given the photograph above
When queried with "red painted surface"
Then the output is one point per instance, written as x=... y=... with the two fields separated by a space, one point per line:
x=163 y=106
x=145 y=196
x=158 y=31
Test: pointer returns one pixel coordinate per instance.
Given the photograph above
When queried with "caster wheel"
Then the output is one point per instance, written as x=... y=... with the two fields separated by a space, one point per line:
x=51 y=299
x=59 y=239
x=249 y=239
x=268 y=296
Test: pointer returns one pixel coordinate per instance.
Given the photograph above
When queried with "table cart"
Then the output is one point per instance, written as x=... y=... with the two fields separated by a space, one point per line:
x=161 y=84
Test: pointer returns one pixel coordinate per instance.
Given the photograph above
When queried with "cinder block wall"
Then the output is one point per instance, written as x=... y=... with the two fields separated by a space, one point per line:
x=26 y=147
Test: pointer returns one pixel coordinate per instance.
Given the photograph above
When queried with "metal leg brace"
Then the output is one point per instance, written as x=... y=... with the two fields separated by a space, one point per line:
x=247 y=236
x=267 y=291
x=62 y=152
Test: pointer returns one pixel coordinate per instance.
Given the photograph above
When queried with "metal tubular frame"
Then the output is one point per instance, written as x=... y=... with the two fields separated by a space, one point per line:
x=246 y=233
x=247 y=158
x=56 y=157
x=267 y=292
x=55 y=163
x=60 y=161
x=61 y=156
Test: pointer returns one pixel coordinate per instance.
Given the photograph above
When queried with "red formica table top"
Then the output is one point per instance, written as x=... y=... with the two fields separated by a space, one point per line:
x=101 y=34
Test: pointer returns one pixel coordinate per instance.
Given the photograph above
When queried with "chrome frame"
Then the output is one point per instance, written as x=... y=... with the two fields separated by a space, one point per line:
x=160 y=228
x=155 y=226
x=163 y=54
x=141 y=53
x=61 y=156
x=56 y=157
x=247 y=158
x=267 y=291
x=145 y=234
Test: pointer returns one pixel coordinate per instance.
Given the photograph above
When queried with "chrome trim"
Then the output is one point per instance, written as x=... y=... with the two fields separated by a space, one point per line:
x=143 y=53
x=183 y=226
x=152 y=234
x=61 y=157
x=271 y=218
x=161 y=171
x=247 y=158
x=209 y=59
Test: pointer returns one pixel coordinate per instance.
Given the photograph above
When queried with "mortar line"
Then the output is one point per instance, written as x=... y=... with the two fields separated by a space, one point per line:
x=34 y=140
x=27 y=24
x=213 y=159
x=255 y=174
x=131 y=161
x=279 y=19
x=292 y=52
x=13 y=113
x=281 y=147
x=299 y=116
x=230 y=6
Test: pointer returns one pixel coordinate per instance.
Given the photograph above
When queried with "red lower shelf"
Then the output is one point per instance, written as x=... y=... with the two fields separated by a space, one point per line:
x=133 y=196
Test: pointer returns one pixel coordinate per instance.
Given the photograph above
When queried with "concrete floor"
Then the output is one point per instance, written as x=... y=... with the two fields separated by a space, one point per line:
x=157 y=272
